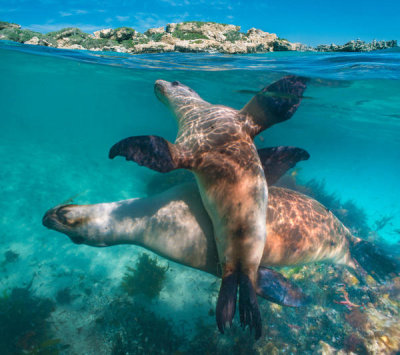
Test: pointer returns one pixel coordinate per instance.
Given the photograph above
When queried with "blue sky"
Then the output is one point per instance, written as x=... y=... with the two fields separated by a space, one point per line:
x=307 y=21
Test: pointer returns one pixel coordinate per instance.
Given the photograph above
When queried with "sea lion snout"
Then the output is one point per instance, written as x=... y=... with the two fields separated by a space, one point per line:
x=174 y=93
x=59 y=217
x=160 y=85
x=49 y=219
x=64 y=219
x=160 y=90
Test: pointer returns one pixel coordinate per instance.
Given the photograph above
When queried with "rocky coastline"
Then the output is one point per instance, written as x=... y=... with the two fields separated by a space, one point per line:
x=193 y=36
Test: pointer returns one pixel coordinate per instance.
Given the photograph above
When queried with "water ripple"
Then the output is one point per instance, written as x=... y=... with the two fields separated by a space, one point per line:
x=383 y=64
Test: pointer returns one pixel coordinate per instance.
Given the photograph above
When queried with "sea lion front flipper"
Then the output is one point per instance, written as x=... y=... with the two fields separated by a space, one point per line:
x=277 y=160
x=276 y=288
x=151 y=151
x=275 y=103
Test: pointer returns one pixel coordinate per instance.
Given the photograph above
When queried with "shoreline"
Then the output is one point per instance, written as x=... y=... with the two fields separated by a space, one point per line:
x=184 y=37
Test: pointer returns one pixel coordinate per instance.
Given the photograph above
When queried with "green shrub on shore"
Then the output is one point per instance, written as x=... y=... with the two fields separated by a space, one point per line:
x=128 y=43
x=4 y=24
x=140 y=39
x=91 y=42
x=72 y=32
x=156 y=37
x=18 y=35
x=233 y=36
x=188 y=35
x=201 y=23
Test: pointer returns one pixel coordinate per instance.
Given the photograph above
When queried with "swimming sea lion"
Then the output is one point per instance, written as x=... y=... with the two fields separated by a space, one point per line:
x=216 y=143
x=175 y=225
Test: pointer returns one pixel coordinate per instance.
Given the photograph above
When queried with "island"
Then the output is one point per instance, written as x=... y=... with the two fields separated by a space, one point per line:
x=191 y=36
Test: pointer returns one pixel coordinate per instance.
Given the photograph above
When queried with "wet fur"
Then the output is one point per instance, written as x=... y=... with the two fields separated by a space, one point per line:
x=175 y=225
x=216 y=143
x=213 y=143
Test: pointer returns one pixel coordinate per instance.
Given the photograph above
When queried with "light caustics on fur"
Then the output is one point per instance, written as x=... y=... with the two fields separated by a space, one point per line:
x=216 y=143
x=175 y=225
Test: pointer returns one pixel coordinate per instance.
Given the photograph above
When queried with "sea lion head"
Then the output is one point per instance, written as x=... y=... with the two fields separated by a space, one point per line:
x=175 y=94
x=74 y=221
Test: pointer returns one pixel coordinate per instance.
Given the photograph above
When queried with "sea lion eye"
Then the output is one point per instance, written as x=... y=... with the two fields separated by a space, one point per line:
x=175 y=83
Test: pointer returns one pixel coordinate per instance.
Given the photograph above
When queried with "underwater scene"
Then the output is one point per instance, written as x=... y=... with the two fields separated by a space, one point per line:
x=116 y=277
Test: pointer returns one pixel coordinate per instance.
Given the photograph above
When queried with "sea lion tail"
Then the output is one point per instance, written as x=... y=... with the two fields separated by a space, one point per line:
x=248 y=306
x=373 y=259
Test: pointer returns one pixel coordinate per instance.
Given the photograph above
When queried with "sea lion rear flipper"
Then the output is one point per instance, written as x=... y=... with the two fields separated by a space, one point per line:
x=249 y=310
x=373 y=260
x=276 y=161
x=151 y=151
x=276 y=288
x=226 y=303
x=275 y=103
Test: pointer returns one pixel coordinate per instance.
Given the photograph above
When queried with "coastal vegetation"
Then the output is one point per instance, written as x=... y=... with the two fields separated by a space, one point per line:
x=188 y=36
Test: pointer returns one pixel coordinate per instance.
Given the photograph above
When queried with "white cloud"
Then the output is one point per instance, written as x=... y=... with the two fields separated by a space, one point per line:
x=143 y=21
x=122 y=18
x=64 y=14
x=72 y=12
x=224 y=3
x=10 y=10
x=172 y=2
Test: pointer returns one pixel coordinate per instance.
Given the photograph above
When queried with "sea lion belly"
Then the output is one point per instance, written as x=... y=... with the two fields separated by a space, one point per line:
x=235 y=197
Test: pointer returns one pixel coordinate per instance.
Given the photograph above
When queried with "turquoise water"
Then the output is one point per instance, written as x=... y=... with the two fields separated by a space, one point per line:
x=61 y=111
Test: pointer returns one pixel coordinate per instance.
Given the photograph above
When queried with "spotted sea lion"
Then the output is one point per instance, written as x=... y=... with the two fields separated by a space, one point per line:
x=216 y=143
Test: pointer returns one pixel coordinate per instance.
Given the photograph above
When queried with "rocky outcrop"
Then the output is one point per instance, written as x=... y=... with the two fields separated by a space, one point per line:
x=357 y=46
x=119 y=34
x=38 y=41
x=193 y=36
x=4 y=25
x=207 y=37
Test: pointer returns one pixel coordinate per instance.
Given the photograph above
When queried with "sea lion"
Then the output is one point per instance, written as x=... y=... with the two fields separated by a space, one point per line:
x=175 y=225
x=216 y=143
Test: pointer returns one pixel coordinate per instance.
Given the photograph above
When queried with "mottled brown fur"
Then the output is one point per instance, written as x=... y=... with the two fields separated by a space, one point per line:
x=214 y=143
x=311 y=233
